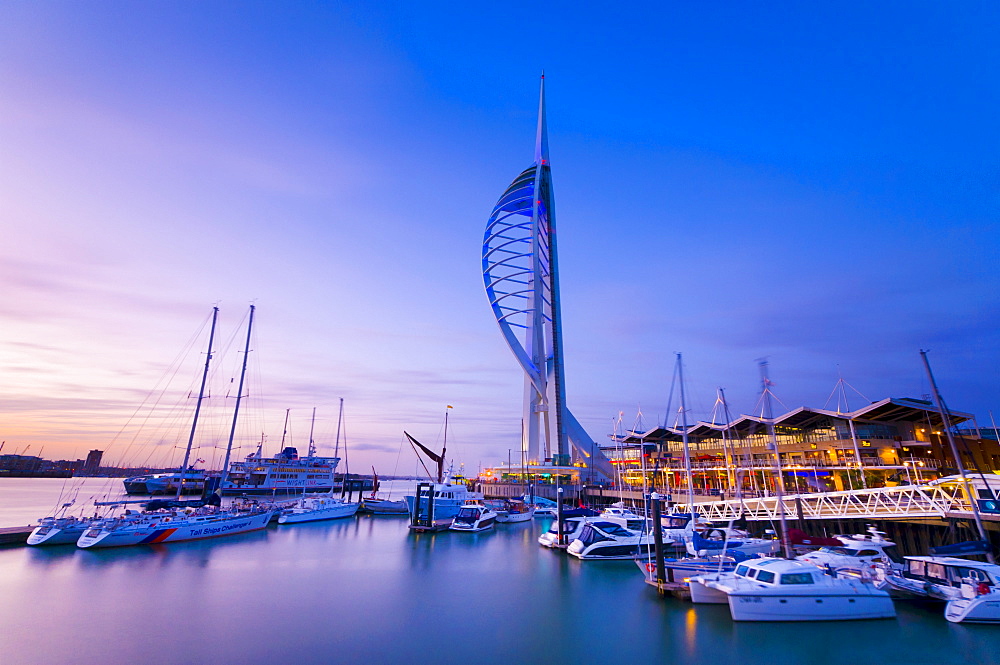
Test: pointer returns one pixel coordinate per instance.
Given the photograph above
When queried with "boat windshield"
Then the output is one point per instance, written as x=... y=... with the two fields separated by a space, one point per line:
x=613 y=529
x=742 y=571
x=797 y=578
x=842 y=551
x=467 y=514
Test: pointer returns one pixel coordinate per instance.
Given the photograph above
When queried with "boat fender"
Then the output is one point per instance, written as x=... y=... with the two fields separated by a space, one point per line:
x=982 y=589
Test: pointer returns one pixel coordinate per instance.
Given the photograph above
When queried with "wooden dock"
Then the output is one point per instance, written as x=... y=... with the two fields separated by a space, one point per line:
x=15 y=535
x=436 y=525
x=676 y=589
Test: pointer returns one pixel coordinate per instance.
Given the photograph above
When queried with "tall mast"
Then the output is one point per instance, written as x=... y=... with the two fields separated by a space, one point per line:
x=444 y=448
x=312 y=427
x=779 y=481
x=684 y=439
x=284 y=431
x=340 y=419
x=197 y=408
x=946 y=425
x=239 y=397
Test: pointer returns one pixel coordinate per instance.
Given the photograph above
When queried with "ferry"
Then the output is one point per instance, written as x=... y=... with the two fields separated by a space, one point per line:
x=166 y=483
x=285 y=473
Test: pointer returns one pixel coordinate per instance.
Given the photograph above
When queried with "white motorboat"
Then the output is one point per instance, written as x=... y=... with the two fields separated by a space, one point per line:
x=970 y=589
x=168 y=483
x=515 y=510
x=572 y=526
x=172 y=525
x=316 y=508
x=619 y=509
x=860 y=555
x=728 y=541
x=772 y=589
x=602 y=539
x=543 y=507
x=474 y=517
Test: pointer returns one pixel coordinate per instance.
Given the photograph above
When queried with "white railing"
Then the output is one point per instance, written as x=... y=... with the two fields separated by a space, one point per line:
x=884 y=502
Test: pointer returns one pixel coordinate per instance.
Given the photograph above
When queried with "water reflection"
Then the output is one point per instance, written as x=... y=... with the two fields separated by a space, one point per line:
x=390 y=596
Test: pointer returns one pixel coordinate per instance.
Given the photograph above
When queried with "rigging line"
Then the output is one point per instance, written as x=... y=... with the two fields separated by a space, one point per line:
x=420 y=459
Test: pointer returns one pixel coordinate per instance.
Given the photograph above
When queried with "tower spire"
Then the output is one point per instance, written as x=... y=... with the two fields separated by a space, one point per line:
x=542 y=134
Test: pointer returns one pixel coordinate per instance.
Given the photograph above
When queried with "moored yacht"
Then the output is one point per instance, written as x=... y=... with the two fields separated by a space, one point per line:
x=772 y=589
x=515 y=510
x=601 y=539
x=171 y=524
x=970 y=588
x=573 y=523
x=316 y=508
x=474 y=517
x=859 y=555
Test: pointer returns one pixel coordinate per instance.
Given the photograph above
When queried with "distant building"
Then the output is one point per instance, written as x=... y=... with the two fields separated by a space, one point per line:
x=892 y=441
x=93 y=462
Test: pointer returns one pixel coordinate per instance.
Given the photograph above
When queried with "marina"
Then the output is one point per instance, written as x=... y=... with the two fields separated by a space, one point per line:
x=252 y=588
x=805 y=193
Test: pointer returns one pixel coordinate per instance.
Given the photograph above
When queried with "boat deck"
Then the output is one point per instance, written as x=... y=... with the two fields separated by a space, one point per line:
x=676 y=589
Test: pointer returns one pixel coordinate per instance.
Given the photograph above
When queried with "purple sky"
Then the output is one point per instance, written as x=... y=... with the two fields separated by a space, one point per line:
x=816 y=186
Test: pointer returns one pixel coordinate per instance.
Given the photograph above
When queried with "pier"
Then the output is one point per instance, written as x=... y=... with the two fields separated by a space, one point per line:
x=15 y=535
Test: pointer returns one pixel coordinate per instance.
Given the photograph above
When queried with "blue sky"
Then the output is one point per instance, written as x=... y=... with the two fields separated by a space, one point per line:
x=814 y=185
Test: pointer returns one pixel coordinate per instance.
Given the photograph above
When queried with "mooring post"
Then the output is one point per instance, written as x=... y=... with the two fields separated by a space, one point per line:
x=661 y=578
x=559 y=515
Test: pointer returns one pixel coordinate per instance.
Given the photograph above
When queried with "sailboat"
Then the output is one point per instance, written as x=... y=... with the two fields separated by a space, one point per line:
x=59 y=529
x=324 y=506
x=170 y=521
x=375 y=505
x=514 y=509
x=447 y=497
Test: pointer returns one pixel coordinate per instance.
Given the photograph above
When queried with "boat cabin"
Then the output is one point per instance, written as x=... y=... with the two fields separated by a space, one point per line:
x=774 y=572
x=953 y=572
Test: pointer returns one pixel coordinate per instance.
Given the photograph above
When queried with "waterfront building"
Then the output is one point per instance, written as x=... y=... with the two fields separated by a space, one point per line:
x=889 y=442
x=93 y=462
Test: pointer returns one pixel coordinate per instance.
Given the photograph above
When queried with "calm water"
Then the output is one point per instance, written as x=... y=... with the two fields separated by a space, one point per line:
x=365 y=591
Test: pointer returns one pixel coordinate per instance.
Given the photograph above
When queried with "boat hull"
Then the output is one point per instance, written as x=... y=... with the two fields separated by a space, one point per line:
x=384 y=507
x=702 y=593
x=151 y=532
x=847 y=607
x=981 y=609
x=324 y=512
x=505 y=517
x=480 y=525
x=56 y=535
